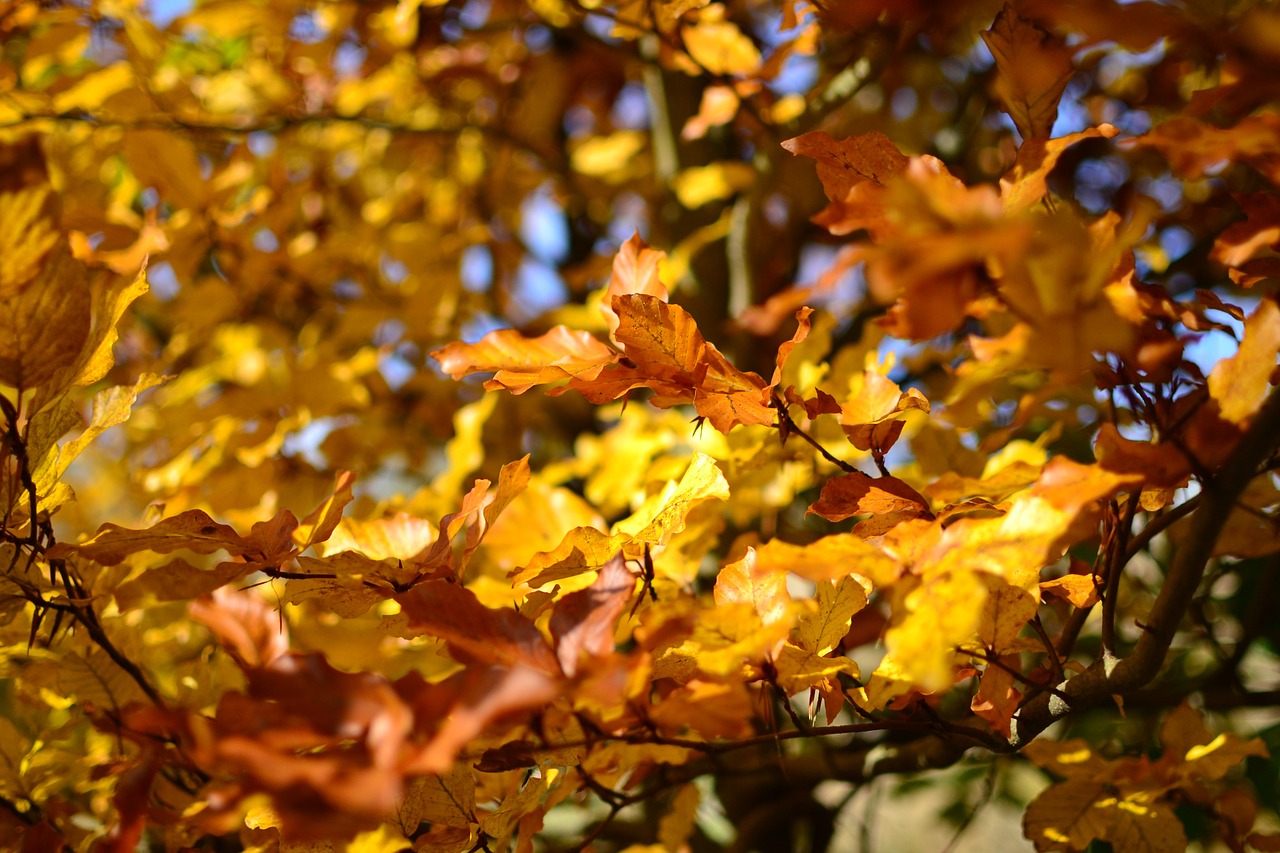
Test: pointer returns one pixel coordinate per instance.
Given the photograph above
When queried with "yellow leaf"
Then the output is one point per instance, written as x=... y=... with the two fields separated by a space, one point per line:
x=675 y=827
x=167 y=162
x=720 y=47
x=1240 y=383
x=96 y=356
x=941 y=614
x=110 y=408
x=27 y=235
x=800 y=669
x=701 y=185
x=725 y=639
x=838 y=601
x=609 y=156
x=830 y=558
x=92 y=90
x=664 y=515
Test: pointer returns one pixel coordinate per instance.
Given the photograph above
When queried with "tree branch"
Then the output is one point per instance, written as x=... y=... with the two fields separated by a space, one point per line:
x=1111 y=675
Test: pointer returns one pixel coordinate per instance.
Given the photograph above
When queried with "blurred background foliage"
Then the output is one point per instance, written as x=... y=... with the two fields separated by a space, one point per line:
x=326 y=191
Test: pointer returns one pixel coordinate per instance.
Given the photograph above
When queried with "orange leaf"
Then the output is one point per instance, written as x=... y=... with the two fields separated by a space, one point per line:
x=518 y=363
x=843 y=166
x=858 y=494
x=997 y=697
x=635 y=270
x=744 y=582
x=1034 y=67
x=673 y=359
x=1024 y=185
x=244 y=624
x=1260 y=231
x=1069 y=485
x=1160 y=465
x=1078 y=590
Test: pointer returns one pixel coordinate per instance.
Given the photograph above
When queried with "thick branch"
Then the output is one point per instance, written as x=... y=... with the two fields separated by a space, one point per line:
x=1111 y=676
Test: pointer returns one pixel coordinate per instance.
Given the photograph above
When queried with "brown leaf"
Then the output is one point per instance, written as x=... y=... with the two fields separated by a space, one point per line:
x=672 y=358
x=485 y=694
x=858 y=494
x=192 y=530
x=1034 y=68
x=1259 y=233
x=244 y=624
x=475 y=633
x=583 y=622
x=1160 y=465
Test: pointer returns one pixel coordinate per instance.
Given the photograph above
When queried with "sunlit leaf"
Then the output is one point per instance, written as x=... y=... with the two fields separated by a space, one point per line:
x=1034 y=68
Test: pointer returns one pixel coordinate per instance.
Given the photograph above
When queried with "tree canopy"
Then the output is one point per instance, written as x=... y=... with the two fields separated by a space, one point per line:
x=686 y=425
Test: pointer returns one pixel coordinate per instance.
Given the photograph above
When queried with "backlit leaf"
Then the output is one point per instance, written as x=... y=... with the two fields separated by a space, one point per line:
x=1240 y=383
x=44 y=325
x=519 y=363
x=1034 y=68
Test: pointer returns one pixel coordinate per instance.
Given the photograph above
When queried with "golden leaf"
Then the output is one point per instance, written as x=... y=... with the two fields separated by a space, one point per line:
x=1034 y=67
x=1240 y=383
x=45 y=324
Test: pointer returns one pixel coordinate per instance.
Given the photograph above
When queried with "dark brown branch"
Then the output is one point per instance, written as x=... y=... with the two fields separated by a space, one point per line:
x=789 y=427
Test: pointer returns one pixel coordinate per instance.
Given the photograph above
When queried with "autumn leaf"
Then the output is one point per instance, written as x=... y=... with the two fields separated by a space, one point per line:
x=44 y=322
x=192 y=530
x=742 y=582
x=320 y=523
x=1026 y=183
x=1077 y=590
x=843 y=167
x=474 y=632
x=673 y=359
x=518 y=363
x=998 y=696
x=871 y=419
x=830 y=558
x=1240 y=383
x=720 y=47
x=583 y=622
x=1034 y=68
x=858 y=494
x=635 y=270
x=244 y=624
x=821 y=631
